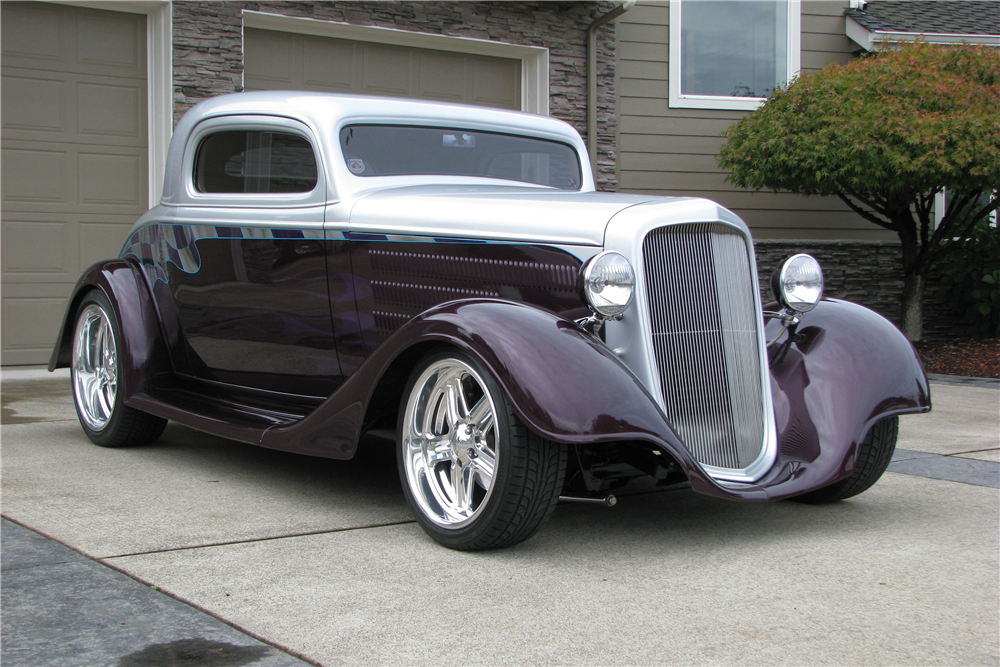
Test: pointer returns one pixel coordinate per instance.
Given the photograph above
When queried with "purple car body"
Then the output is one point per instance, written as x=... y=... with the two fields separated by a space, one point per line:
x=312 y=254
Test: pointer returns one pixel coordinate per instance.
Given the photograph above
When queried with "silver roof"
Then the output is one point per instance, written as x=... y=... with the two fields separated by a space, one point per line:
x=325 y=113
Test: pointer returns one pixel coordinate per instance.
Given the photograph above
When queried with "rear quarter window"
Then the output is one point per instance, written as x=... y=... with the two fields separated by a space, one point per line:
x=239 y=161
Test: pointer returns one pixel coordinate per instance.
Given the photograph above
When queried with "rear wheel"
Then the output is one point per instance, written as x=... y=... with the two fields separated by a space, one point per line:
x=876 y=453
x=100 y=405
x=474 y=475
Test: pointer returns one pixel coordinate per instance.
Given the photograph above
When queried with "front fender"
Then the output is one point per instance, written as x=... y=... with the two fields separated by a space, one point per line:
x=843 y=369
x=847 y=368
x=563 y=383
x=142 y=355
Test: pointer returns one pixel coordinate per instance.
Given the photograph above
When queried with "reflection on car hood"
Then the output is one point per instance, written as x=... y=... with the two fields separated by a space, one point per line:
x=504 y=213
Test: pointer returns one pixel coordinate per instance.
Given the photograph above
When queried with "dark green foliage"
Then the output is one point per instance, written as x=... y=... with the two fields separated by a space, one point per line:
x=971 y=278
x=886 y=134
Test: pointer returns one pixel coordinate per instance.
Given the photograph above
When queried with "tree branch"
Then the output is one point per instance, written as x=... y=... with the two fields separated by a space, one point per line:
x=951 y=218
x=972 y=221
x=865 y=214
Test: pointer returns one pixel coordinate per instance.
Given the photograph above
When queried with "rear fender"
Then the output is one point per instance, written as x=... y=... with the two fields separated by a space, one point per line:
x=142 y=356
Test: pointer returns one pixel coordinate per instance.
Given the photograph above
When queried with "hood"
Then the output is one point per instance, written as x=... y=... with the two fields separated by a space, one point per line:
x=490 y=212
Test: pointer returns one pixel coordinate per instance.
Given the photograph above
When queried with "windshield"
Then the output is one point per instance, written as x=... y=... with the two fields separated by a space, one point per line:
x=401 y=150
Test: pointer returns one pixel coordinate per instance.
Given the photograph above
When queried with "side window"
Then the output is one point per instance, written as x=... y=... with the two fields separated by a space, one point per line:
x=255 y=161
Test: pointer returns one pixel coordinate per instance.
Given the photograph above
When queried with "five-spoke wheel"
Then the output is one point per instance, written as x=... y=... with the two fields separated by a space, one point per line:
x=95 y=367
x=450 y=443
x=97 y=383
x=474 y=475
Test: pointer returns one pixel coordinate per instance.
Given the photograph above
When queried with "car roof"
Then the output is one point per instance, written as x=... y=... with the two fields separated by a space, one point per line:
x=324 y=107
x=326 y=113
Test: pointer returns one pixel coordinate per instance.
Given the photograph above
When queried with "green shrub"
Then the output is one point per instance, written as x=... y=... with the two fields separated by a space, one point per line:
x=886 y=134
x=971 y=279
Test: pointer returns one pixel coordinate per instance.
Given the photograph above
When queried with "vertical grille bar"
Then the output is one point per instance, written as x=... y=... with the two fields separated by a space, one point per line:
x=702 y=308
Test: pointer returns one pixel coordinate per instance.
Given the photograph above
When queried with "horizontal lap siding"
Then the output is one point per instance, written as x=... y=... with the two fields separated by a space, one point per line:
x=672 y=152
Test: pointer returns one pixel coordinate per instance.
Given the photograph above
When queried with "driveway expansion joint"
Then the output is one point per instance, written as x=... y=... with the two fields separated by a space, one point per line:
x=254 y=540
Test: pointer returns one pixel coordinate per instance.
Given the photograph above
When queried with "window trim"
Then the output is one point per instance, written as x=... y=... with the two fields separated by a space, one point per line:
x=680 y=101
x=940 y=203
x=252 y=123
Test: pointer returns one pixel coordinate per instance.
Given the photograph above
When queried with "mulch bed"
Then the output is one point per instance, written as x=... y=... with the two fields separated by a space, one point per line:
x=973 y=358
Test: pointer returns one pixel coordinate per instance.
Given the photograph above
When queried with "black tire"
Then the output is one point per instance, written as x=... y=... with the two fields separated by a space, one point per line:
x=97 y=391
x=525 y=472
x=876 y=453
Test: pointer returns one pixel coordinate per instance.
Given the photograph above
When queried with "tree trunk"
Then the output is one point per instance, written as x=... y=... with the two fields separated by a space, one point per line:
x=912 y=306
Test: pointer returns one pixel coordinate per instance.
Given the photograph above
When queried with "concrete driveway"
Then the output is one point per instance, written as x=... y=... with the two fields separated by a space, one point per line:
x=321 y=559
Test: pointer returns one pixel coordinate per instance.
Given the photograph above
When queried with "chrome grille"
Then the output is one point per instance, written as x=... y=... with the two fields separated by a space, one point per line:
x=702 y=308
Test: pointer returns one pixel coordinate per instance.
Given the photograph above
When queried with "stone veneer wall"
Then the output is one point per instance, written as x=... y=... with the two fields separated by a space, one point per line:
x=208 y=48
x=866 y=272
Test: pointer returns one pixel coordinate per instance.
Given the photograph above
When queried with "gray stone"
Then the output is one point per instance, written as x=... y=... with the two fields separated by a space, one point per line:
x=865 y=272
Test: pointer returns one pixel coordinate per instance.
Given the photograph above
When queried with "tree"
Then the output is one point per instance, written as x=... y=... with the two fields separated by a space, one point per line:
x=886 y=133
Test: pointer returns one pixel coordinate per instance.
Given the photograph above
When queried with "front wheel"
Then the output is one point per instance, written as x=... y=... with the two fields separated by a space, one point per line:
x=100 y=404
x=876 y=453
x=474 y=475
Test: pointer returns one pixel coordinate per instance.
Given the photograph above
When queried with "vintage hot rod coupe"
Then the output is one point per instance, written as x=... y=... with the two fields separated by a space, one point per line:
x=323 y=266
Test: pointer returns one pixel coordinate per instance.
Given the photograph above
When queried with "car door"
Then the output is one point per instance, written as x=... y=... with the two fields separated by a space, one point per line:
x=249 y=287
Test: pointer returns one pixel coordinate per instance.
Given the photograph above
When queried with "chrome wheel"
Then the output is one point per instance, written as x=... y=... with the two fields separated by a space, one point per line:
x=449 y=443
x=95 y=368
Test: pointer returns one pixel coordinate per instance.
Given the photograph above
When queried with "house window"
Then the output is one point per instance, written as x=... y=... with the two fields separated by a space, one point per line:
x=731 y=55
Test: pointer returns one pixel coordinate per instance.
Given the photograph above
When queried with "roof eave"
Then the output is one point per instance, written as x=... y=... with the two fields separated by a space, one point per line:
x=872 y=40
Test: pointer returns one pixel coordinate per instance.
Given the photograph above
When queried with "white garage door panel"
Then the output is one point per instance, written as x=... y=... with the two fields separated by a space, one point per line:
x=43 y=108
x=67 y=178
x=38 y=250
x=286 y=61
x=67 y=39
x=73 y=156
x=327 y=64
x=46 y=106
x=45 y=314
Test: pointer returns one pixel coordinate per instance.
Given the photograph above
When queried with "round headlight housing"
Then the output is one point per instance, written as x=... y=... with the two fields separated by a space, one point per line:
x=798 y=283
x=608 y=283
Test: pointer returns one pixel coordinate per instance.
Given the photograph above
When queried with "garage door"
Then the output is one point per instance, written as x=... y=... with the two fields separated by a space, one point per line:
x=285 y=61
x=73 y=157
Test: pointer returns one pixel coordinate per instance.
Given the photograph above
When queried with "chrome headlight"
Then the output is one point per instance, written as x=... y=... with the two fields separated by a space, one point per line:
x=798 y=283
x=608 y=283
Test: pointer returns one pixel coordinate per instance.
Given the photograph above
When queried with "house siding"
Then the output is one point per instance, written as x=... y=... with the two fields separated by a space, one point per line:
x=672 y=152
x=208 y=48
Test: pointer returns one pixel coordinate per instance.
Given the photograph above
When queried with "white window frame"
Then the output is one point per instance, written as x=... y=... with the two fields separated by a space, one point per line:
x=159 y=79
x=681 y=101
x=534 y=59
x=941 y=201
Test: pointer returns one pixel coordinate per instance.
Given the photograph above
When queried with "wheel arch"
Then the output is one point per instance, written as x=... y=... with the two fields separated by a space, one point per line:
x=565 y=385
x=383 y=406
x=143 y=351
x=62 y=353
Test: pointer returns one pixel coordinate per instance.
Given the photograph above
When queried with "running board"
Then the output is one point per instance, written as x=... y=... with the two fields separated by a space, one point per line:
x=210 y=414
